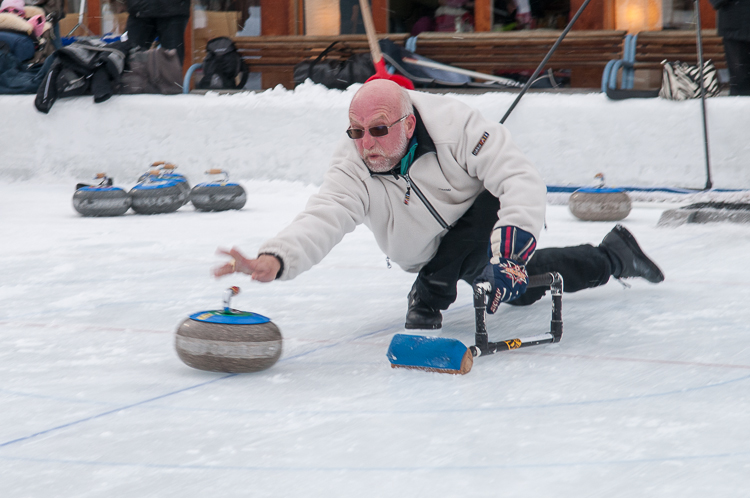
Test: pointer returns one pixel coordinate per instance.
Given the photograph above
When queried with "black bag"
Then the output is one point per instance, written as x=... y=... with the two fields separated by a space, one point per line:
x=332 y=73
x=156 y=70
x=222 y=66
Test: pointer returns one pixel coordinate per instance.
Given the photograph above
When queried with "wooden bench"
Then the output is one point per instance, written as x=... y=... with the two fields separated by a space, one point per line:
x=652 y=47
x=585 y=53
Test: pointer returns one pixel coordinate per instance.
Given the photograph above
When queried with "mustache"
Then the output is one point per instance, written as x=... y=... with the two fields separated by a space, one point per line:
x=374 y=150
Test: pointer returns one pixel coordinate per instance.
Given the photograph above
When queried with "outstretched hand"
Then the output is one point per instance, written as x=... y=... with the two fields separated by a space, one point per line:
x=263 y=269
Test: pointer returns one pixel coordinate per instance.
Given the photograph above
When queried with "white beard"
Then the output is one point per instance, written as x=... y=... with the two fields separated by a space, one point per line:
x=385 y=163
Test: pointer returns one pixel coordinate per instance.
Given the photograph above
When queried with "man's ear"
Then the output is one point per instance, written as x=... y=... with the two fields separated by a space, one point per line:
x=411 y=124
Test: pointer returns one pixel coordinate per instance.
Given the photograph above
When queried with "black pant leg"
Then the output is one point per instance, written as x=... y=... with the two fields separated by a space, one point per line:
x=581 y=267
x=171 y=32
x=738 y=62
x=141 y=31
x=462 y=255
x=464 y=252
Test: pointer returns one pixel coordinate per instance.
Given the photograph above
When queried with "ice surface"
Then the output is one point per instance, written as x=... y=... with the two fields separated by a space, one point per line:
x=646 y=394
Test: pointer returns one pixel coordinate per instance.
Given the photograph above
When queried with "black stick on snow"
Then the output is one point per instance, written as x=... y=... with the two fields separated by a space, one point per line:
x=699 y=43
x=544 y=61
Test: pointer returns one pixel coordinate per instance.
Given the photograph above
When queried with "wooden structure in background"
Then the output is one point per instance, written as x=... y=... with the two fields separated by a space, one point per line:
x=585 y=53
x=600 y=14
x=281 y=16
x=652 y=47
x=490 y=52
x=286 y=17
x=275 y=56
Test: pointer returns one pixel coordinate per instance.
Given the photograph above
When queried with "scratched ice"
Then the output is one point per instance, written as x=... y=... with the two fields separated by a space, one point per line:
x=646 y=394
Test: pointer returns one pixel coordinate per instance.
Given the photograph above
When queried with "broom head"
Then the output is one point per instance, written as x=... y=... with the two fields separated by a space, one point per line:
x=436 y=354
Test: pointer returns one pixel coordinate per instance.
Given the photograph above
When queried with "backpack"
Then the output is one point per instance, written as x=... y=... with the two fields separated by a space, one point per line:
x=222 y=65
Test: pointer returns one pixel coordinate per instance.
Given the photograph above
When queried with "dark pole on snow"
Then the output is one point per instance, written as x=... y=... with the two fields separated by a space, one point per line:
x=699 y=42
x=546 y=58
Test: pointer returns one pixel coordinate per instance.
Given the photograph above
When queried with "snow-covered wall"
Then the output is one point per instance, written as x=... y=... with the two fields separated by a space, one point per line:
x=290 y=135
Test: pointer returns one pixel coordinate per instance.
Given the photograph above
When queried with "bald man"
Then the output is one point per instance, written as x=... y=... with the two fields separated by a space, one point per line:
x=428 y=175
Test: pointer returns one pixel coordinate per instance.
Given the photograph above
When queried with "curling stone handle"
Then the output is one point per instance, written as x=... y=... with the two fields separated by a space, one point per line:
x=158 y=163
x=217 y=171
x=230 y=292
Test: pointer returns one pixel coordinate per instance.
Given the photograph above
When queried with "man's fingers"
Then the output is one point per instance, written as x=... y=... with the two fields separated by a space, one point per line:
x=263 y=269
x=224 y=269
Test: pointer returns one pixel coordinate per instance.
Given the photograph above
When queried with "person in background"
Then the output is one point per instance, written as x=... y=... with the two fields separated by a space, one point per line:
x=165 y=19
x=734 y=27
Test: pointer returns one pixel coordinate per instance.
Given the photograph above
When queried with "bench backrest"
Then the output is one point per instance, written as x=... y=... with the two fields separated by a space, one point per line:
x=652 y=47
x=275 y=56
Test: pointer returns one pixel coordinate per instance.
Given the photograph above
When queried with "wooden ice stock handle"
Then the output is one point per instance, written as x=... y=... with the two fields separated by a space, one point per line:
x=372 y=40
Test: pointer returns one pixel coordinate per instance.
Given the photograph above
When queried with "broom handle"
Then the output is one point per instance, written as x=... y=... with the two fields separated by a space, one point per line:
x=465 y=72
x=372 y=40
x=699 y=44
x=544 y=61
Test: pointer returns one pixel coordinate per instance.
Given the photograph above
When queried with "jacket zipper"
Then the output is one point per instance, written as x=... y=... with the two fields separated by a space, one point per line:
x=411 y=185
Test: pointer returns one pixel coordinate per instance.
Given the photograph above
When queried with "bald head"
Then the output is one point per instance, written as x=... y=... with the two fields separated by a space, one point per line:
x=382 y=103
x=384 y=93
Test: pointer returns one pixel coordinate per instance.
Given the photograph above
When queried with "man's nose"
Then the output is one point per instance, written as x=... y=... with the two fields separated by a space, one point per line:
x=368 y=140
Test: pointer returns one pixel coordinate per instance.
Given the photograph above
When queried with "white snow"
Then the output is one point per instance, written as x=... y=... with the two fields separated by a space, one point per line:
x=646 y=394
x=283 y=135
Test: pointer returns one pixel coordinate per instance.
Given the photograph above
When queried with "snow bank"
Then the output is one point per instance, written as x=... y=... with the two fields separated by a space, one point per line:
x=290 y=135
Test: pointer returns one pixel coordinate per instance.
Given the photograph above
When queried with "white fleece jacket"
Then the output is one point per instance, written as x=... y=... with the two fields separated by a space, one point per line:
x=464 y=165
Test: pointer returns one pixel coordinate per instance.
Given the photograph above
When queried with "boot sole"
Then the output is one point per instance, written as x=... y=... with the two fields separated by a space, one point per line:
x=412 y=326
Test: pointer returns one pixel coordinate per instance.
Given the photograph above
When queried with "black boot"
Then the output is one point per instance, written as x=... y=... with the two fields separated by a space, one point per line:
x=628 y=260
x=420 y=314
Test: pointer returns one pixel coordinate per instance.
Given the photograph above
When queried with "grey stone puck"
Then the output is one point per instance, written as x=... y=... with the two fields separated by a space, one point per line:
x=166 y=199
x=218 y=197
x=600 y=206
x=89 y=201
x=232 y=348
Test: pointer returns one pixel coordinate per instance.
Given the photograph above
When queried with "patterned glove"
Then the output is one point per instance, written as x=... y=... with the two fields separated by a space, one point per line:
x=510 y=249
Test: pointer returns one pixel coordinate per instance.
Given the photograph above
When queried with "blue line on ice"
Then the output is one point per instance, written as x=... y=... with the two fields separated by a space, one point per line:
x=390 y=412
x=76 y=422
x=133 y=405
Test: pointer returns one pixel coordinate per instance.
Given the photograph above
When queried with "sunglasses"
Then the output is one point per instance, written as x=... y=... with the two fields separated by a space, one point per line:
x=375 y=131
